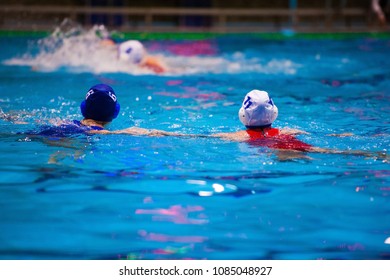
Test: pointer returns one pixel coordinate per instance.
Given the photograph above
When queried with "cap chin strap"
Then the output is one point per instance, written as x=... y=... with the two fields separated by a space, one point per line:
x=241 y=116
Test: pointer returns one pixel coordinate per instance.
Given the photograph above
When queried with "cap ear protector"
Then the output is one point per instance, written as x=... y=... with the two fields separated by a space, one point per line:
x=242 y=116
x=83 y=108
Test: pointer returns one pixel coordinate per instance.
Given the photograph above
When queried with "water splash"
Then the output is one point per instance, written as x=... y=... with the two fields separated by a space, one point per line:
x=72 y=48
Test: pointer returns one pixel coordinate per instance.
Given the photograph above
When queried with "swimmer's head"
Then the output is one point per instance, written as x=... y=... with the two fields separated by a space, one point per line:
x=258 y=109
x=100 y=104
x=132 y=51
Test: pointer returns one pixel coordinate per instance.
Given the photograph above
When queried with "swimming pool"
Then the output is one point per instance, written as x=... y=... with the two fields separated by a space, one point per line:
x=134 y=197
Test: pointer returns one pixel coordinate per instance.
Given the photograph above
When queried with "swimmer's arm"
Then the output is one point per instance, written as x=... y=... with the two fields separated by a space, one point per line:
x=242 y=136
x=155 y=132
x=15 y=117
x=349 y=134
x=5 y=116
x=375 y=155
x=139 y=131
x=11 y=118
x=346 y=134
x=239 y=136
x=104 y=131
x=376 y=8
x=154 y=64
x=292 y=131
x=234 y=136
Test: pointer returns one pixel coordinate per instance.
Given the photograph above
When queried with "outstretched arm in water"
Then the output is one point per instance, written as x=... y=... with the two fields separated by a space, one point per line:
x=13 y=118
x=139 y=131
x=286 y=154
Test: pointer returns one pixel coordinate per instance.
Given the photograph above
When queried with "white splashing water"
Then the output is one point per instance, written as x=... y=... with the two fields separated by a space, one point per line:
x=74 y=49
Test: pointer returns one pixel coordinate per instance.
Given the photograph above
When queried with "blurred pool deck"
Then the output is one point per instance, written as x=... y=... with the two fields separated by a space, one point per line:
x=193 y=20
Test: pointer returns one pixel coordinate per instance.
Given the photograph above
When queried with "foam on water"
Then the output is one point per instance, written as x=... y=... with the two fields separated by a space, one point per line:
x=75 y=49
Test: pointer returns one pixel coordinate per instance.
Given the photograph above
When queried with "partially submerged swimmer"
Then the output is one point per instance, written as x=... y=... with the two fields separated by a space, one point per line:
x=134 y=52
x=99 y=108
x=257 y=113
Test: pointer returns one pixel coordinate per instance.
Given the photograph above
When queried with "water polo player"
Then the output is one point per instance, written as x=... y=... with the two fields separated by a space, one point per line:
x=99 y=108
x=134 y=52
x=257 y=113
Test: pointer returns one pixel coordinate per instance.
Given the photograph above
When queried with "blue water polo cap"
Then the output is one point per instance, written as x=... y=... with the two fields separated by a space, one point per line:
x=100 y=104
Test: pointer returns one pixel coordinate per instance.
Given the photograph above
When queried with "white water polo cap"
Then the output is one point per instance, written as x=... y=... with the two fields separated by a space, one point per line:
x=132 y=51
x=258 y=109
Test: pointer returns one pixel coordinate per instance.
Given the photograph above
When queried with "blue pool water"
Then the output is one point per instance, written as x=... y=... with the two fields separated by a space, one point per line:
x=135 y=197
